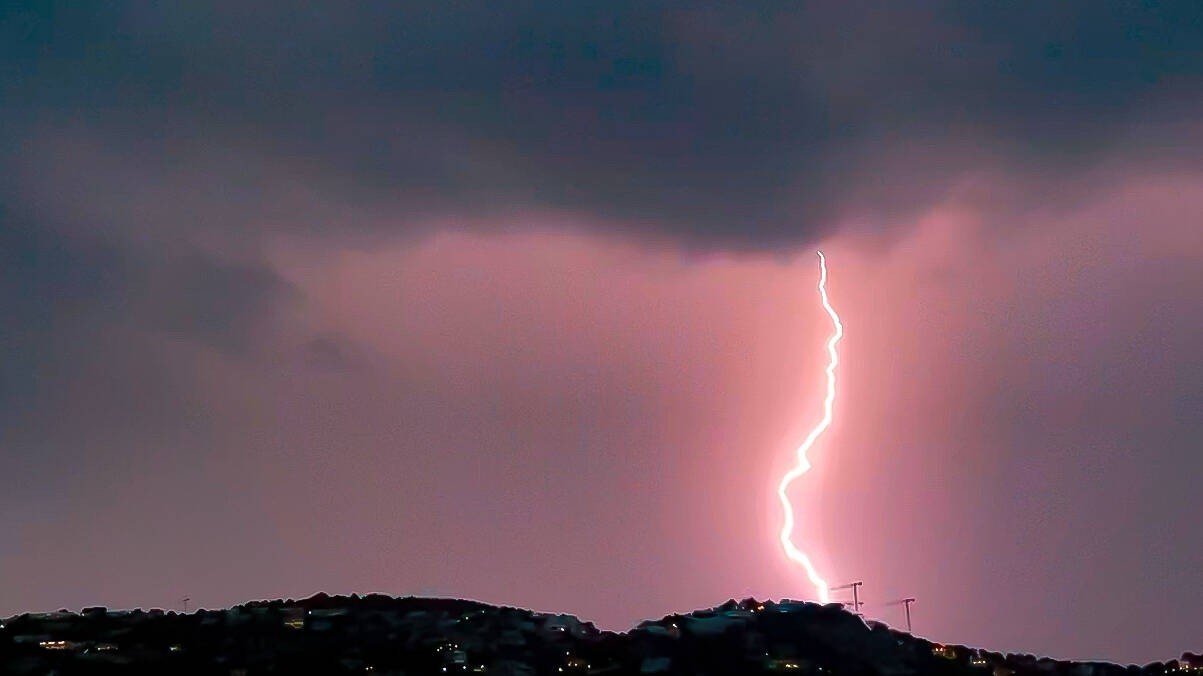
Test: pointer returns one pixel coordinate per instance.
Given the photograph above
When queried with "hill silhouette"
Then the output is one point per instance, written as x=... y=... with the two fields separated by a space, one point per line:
x=381 y=634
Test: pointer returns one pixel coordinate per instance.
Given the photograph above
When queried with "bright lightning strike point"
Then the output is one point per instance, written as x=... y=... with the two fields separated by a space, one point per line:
x=803 y=465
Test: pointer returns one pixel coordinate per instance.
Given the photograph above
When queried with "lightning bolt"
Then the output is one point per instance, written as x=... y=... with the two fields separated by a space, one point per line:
x=803 y=465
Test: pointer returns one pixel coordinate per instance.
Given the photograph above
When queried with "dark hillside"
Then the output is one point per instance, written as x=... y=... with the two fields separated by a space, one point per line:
x=384 y=635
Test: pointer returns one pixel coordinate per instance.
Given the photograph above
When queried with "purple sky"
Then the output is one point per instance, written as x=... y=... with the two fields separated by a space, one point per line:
x=520 y=306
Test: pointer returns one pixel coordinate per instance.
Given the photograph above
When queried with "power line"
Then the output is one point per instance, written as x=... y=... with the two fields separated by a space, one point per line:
x=855 y=587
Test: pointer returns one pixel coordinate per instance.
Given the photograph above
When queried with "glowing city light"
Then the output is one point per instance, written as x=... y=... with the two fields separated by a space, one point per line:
x=803 y=464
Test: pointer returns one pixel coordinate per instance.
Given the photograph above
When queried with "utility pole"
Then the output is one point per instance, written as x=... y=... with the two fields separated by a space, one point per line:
x=907 y=604
x=856 y=602
x=185 y=601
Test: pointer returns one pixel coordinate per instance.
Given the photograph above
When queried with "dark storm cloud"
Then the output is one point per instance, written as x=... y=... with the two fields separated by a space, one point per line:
x=98 y=335
x=43 y=278
x=147 y=150
x=743 y=126
x=213 y=302
x=53 y=276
